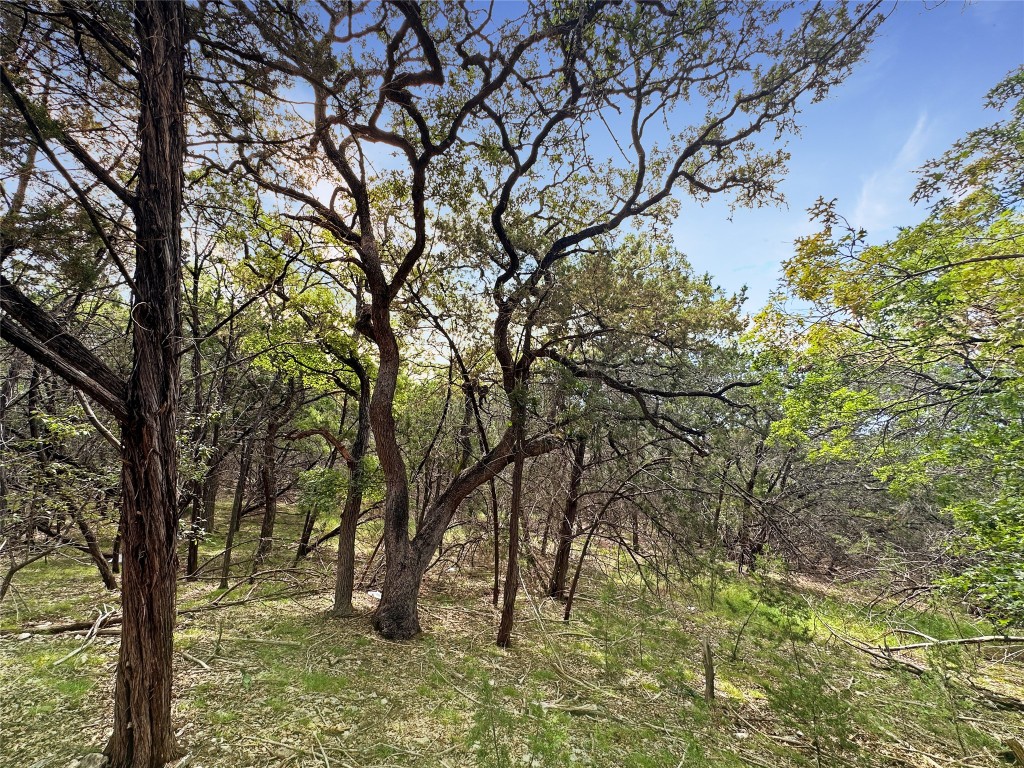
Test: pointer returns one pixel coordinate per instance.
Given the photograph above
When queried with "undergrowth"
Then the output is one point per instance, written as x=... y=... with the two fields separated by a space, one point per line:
x=270 y=681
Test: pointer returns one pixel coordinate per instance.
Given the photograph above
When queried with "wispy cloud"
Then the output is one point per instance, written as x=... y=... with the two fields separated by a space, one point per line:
x=884 y=200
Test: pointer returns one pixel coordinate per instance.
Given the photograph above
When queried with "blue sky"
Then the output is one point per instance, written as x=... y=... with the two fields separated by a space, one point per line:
x=922 y=86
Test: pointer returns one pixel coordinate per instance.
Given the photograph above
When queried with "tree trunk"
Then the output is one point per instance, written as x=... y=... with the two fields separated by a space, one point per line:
x=345 y=576
x=236 y=512
x=563 y=549
x=304 y=537
x=397 y=616
x=192 y=560
x=268 y=482
x=496 y=536
x=211 y=482
x=94 y=551
x=406 y=558
x=517 y=398
x=143 y=736
x=508 y=604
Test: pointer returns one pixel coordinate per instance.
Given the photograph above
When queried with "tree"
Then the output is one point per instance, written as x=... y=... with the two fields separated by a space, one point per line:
x=437 y=90
x=147 y=48
x=913 y=347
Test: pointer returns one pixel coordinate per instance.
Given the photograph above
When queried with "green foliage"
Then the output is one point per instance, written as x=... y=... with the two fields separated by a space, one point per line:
x=991 y=539
x=805 y=694
x=321 y=490
x=910 y=357
x=501 y=735
x=493 y=724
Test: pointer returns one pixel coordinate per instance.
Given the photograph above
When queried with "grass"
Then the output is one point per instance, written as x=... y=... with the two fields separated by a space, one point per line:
x=619 y=685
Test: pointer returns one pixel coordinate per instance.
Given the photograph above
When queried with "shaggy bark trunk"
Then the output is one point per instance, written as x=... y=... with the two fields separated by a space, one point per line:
x=143 y=736
x=563 y=549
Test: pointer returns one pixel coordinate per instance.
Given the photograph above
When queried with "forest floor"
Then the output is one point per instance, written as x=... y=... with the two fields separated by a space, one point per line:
x=269 y=681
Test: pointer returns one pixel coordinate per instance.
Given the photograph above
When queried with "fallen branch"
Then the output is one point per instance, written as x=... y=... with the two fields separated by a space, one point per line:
x=89 y=638
x=195 y=659
x=958 y=641
x=877 y=653
x=108 y=620
x=1017 y=748
x=114 y=619
x=995 y=698
x=998 y=700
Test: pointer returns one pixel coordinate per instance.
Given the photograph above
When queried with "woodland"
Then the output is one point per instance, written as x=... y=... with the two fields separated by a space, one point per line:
x=358 y=408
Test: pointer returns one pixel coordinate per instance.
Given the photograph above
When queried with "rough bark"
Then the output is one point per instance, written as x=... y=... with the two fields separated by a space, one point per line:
x=397 y=617
x=143 y=736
